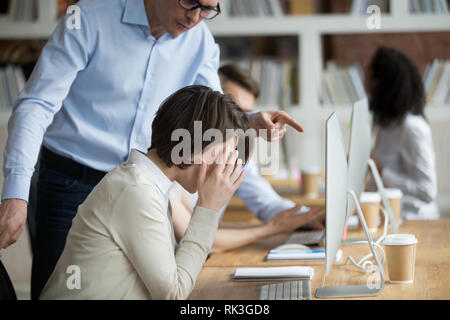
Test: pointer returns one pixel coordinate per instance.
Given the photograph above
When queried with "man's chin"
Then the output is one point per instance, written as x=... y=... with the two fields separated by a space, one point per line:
x=174 y=33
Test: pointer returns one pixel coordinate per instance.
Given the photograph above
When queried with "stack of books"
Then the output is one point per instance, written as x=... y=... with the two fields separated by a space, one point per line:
x=437 y=82
x=428 y=6
x=359 y=7
x=23 y=10
x=264 y=8
x=12 y=81
x=255 y=8
x=277 y=78
x=342 y=85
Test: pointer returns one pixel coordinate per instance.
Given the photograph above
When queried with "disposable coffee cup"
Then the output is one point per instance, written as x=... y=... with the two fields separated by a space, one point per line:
x=395 y=200
x=310 y=178
x=401 y=257
x=369 y=202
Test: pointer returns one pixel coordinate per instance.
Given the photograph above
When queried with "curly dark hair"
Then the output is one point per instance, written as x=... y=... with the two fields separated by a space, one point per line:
x=397 y=90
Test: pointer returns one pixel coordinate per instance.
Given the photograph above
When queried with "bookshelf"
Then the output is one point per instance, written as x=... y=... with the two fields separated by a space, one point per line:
x=42 y=27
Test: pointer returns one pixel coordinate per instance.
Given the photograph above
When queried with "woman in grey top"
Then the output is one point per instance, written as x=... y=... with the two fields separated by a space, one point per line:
x=403 y=150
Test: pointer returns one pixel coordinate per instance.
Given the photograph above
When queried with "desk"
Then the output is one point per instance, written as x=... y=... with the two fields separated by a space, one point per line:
x=432 y=278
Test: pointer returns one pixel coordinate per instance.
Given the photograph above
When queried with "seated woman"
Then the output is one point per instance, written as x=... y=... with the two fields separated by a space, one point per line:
x=404 y=146
x=121 y=244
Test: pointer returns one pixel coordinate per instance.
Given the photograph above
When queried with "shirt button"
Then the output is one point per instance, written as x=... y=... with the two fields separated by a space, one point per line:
x=134 y=137
x=141 y=106
x=149 y=75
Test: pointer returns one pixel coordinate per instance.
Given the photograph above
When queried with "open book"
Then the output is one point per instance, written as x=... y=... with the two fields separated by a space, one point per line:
x=276 y=273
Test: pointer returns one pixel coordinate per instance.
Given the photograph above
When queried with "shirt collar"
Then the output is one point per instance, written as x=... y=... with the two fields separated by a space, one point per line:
x=134 y=13
x=162 y=182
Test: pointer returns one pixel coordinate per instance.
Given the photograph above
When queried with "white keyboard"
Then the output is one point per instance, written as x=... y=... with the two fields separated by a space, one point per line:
x=307 y=237
x=290 y=290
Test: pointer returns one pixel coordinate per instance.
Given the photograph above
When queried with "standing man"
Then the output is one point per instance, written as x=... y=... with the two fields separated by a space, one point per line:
x=92 y=98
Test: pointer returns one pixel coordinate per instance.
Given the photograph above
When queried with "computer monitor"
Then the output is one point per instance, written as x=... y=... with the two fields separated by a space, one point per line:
x=337 y=195
x=335 y=189
x=359 y=150
x=359 y=159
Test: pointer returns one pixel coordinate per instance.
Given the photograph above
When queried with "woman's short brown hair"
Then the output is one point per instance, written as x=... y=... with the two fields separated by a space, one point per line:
x=196 y=103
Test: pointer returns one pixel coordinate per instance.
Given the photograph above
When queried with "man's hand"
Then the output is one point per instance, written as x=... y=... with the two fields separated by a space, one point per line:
x=13 y=215
x=289 y=220
x=275 y=122
x=316 y=224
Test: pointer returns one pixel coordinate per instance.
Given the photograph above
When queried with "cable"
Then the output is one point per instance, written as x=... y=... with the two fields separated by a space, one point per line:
x=363 y=262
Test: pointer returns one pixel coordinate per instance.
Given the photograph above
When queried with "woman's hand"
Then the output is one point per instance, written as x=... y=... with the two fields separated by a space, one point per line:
x=216 y=189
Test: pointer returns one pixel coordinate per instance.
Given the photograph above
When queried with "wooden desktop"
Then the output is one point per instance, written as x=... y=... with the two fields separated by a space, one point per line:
x=432 y=277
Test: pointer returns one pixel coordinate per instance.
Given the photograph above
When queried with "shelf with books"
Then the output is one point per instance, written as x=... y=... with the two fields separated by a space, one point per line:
x=321 y=24
x=16 y=23
x=268 y=8
x=433 y=113
x=271 y=60
x=271 y=8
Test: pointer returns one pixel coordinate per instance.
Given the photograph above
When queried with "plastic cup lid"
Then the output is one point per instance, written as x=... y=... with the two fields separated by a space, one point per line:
x=311 y=170
x=400 y=239
x=370 y=197
x=393 y=193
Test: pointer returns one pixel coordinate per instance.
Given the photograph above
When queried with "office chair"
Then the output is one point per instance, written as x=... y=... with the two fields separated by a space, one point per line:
x=6 y=288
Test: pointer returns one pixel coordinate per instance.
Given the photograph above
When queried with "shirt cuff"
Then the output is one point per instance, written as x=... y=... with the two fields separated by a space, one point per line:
x=16 y=187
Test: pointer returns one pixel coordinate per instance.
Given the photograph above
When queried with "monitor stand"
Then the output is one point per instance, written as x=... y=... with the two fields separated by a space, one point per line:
x=386 y=204
x=371 y=288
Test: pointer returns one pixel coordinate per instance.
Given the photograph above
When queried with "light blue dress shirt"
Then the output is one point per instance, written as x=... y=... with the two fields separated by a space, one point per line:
x=95 y=90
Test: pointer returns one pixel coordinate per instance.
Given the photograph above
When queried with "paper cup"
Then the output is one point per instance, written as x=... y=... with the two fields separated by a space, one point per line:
x=310 y=178
x=401 y=257
x=369 y=202
x=395 y=200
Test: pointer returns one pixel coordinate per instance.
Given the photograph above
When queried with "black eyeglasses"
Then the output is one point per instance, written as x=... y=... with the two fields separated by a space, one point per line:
x=206 y=12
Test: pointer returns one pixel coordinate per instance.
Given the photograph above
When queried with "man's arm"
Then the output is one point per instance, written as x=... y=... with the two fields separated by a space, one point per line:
x=260 y=197
x=66 y=53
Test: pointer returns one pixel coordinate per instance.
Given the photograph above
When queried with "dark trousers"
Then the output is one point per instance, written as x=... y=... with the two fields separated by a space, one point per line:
x=62 y=185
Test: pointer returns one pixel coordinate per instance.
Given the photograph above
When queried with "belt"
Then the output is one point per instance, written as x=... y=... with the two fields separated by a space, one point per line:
x=69 y=166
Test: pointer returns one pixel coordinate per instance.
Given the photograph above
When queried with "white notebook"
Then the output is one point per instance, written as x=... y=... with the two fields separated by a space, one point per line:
x=297 y=255
x=275 y=273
